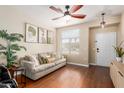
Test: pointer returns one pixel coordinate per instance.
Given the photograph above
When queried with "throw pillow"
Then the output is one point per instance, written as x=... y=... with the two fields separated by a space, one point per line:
x=43 y=57
x=46 y=60
x=35 y=60
x=51 y=59
x=40 y=59
x=28 y=58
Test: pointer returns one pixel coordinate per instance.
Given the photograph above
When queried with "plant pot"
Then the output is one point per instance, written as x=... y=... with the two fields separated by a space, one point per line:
x=119 y=59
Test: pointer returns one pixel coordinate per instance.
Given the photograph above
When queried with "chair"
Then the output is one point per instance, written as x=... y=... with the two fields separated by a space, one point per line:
x=6 y=81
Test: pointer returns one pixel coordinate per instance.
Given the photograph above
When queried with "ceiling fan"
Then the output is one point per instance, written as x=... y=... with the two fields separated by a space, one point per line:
x=69 y=12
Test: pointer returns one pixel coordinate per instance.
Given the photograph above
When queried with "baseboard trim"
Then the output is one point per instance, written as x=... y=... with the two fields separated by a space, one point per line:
x=97 y=65
x=93 y=64
x=78 y=64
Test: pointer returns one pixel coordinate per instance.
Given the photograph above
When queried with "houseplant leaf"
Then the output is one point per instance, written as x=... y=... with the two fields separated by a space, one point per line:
x=10 y=49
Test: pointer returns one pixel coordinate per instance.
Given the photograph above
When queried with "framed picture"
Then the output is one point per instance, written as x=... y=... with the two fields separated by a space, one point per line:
x=50 y=37
x=31 y=33
x=43 y=36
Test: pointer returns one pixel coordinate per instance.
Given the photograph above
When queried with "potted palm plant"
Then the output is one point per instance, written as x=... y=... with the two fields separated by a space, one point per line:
x=120 y=52
x=12 y=46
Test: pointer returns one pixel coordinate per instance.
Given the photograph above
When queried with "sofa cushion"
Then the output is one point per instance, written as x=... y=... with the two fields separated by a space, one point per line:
x=48 y=65
x=60 y=61
x=44 y=66
x=40 y=68
x=57 y=56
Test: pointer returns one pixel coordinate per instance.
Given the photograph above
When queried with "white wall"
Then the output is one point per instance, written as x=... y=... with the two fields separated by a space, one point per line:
x=83 y=57
x=14 y=21
x=122 y=27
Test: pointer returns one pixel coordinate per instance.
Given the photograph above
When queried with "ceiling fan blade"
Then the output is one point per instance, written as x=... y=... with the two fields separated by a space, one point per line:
x=57 y=18
x=75 y=8
x=81 y=16
x=58 y=10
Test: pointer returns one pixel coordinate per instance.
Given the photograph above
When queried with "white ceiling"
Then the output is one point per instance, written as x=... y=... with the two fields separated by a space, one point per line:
x=44 y=14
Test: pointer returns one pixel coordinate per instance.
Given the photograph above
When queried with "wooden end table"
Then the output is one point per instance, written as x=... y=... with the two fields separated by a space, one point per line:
x=19 y=71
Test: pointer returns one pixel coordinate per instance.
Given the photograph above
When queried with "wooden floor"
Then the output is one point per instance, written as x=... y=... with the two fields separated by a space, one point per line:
x=71 y=76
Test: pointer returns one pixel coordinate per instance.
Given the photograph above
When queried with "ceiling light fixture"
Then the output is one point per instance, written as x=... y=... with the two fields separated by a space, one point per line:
x=103 y=21
x=67 y=19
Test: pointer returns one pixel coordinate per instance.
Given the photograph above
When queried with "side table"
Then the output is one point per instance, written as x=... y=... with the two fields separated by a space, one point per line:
x=19 y=71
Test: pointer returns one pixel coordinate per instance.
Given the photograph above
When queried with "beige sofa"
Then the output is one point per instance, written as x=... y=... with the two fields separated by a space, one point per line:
x=35 y=72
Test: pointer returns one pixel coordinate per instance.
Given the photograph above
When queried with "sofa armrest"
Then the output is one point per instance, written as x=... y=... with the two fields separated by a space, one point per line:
x=29 y=65
x=63 y=59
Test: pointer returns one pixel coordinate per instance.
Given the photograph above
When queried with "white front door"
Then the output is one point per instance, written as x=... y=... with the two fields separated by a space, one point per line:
x=104 y=48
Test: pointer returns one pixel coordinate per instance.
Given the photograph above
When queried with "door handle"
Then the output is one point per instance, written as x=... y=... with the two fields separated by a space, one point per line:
x=97 y=50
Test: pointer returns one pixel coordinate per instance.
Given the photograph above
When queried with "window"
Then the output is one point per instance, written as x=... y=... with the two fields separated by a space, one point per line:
x=70 y=42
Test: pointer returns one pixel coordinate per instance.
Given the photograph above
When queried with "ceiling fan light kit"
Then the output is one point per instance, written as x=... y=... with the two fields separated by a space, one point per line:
x=69 y=12
x=67 y=18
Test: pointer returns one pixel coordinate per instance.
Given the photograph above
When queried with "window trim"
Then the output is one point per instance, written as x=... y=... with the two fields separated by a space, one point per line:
x=70 y=41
